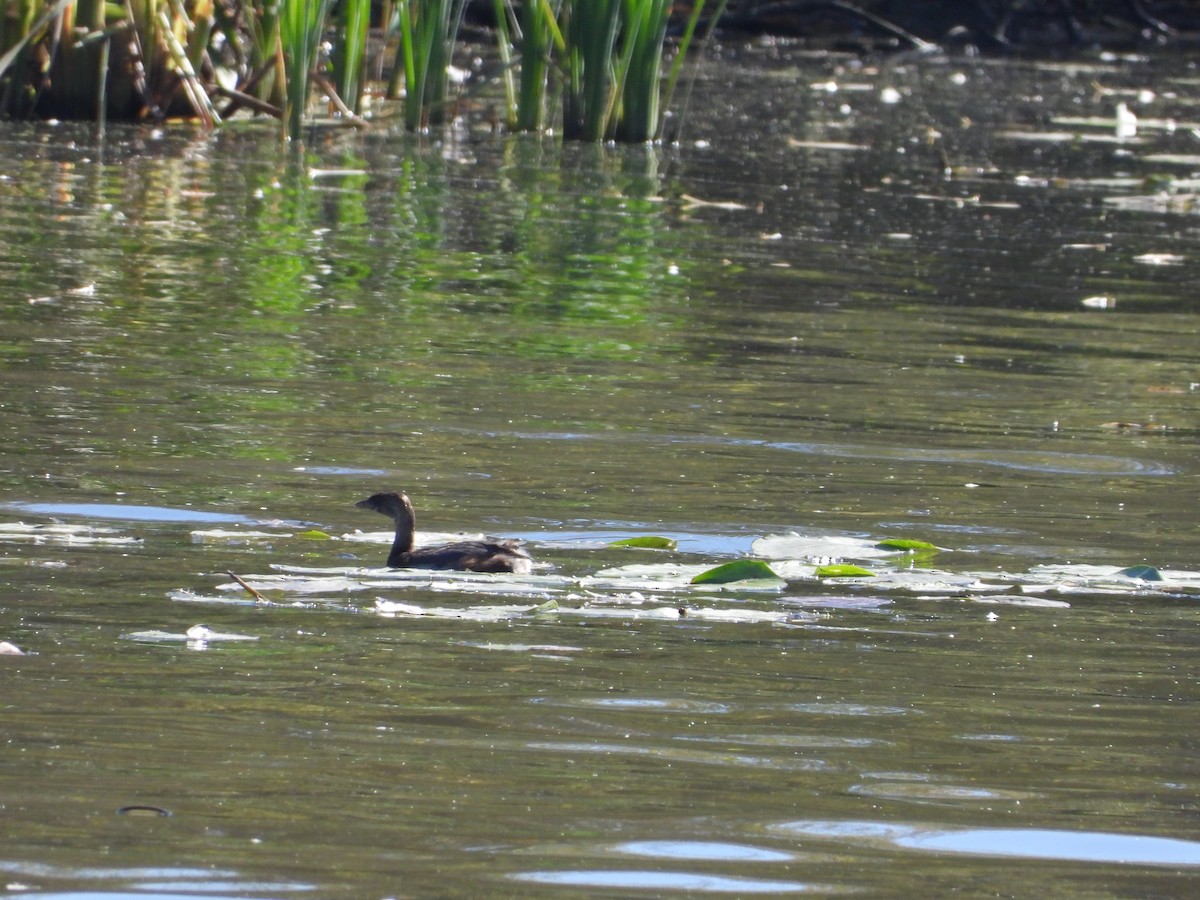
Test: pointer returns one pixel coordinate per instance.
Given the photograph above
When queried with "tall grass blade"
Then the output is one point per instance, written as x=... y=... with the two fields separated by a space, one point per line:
x=300 y=26
x=428 y=30
x=350 y=51
x=639 y=70
x=590 y=33
x=539 y=32
x=502 y=11
x=262 y=26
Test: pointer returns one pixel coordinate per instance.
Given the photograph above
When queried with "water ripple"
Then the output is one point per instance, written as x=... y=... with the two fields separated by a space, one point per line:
x=924 y=792
x=1025 y=460
x=668 y=881
x=1027 y=843
x=709 y=850
x=656 y=704
x=1056 y=462
x=850 y=709
x=120 y=511
x=682 y=755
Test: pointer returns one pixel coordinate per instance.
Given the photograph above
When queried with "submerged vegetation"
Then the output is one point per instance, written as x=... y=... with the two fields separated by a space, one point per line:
x=601 y=60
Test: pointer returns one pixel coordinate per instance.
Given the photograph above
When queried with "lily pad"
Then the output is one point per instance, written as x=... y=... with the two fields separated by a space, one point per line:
x=842 y=570
x=738 y=570
x=904 y=545
x=649 y=542
x=314 y=534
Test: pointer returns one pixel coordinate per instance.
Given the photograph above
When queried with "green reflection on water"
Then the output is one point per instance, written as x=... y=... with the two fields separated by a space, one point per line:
x=236 y=285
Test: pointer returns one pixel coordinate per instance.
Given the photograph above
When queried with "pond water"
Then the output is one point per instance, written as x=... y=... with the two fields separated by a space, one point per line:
x=950 y=301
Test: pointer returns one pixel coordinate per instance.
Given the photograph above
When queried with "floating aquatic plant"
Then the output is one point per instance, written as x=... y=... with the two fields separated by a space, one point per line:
x=907 y=545
x=738 y=570
x=647 y=542
x=667 y=592
x=314 y=534
x=686 y=589
x=843 y=570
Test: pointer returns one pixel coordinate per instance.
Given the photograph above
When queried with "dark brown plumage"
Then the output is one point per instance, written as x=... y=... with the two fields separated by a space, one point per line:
x=473 y=556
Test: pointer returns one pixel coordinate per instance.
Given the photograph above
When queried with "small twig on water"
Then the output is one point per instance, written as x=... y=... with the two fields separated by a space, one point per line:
x=253 y=593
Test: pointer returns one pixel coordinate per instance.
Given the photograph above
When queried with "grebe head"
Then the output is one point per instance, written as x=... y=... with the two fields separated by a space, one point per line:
x=390 y=503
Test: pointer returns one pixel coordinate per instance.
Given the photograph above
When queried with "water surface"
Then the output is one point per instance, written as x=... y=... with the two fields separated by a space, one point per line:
x=857 y=302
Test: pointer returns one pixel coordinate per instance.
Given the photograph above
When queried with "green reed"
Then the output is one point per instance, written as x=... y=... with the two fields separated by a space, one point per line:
x=260 y=40
x=540 y=37
x=639 y=69
x=601 y=61
x=350 y=51
x=590 y=34
x=428 y=29
x=301 y=24
x=608 y=57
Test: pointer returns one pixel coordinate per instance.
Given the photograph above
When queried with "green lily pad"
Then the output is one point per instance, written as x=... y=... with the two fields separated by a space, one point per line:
x=314 y=534
x=1143 y=573
x=905 y=545
x=648 y=542
x=738 y=570
x=841 y=570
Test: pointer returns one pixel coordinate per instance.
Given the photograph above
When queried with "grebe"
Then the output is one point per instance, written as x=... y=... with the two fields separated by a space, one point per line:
x=474 y=556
